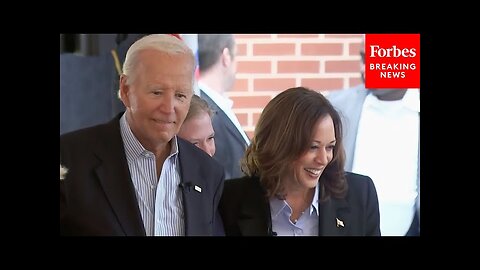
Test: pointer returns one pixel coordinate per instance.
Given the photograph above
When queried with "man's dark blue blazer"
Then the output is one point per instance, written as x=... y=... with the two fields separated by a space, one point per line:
x=229 y=143
x=97 y=197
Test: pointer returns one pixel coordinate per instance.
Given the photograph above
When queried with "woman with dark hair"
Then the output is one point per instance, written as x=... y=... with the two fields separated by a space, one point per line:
x=295 y=184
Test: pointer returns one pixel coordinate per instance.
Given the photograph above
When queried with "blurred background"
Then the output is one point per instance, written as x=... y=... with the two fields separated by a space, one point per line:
x=266 y=65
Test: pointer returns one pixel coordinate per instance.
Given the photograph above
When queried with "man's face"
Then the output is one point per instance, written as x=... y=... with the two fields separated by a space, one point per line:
x=158 y=98
x=199 y=131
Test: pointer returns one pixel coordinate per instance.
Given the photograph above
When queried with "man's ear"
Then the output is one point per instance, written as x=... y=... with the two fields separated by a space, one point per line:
x=226 y=57
x=124 y=89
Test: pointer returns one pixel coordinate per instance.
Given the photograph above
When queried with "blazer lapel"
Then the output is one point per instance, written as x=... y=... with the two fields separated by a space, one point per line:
x=254 y=218
x=253 y=226
x=334 y=218
x=231 y=128
x=114 y=178
x=193 y=197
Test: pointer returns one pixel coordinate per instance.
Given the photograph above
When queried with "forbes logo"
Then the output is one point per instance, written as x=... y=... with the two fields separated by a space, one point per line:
x=377 y=51
x=392 y=61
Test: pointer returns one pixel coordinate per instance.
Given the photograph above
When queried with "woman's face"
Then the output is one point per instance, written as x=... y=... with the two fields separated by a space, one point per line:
x=308 y=168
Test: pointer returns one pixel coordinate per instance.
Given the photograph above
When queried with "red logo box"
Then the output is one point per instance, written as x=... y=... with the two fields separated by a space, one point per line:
x=392 y=61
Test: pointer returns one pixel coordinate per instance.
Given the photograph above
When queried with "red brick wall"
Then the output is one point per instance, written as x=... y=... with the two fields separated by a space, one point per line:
x=270 y=63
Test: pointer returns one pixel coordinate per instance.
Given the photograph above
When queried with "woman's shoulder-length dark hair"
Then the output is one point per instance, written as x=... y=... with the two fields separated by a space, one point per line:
x=284 y=133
